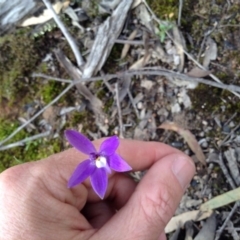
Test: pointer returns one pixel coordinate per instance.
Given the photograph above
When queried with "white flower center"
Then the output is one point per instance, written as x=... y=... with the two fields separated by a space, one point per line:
x=101 y=162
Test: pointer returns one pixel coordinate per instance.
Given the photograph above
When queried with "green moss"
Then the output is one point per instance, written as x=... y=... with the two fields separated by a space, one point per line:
x=31 y=151
x=85 y=118
x=50 y=90
x=19 y=57
x=6 y=128
x=79 y=118
x=164 y=8
x=108 y=105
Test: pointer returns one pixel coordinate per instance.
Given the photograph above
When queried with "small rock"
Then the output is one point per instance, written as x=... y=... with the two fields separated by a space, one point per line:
x=203 y=142
x=201 y=134
x=139 y=105
x=232 y=124
x=184 y=98
x=147 y=84
x=204 y=123
x=226 y=129
x=175 y=108
x=163 y=112
x=177 y=144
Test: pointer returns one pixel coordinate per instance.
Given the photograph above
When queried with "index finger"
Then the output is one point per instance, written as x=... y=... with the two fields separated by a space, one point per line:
x=142 y=155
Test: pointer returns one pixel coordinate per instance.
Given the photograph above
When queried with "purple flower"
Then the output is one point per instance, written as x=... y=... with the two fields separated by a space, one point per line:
x=98 y=164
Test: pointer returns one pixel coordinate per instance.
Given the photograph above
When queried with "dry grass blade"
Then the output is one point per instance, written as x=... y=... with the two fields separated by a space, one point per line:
x=180 y=220
x=188 y=137
x=222 y=200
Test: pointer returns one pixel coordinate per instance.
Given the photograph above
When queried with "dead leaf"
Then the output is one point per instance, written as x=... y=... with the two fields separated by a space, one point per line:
x=127 y=46
x=45 y=16
x=210 y=52
x=188 y=137
x=141 y=62
x=144 y=17
x=198 y=72
x=180 y=220
x=51 y=114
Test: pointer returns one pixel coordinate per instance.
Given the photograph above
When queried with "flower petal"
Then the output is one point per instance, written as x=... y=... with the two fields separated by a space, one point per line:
x=109 y=146
x=82 y=171
x=80 y=142
x=118 y=164
x=99 y=181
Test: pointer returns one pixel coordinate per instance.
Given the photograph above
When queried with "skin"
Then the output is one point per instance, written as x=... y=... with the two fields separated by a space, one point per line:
x=36 y=204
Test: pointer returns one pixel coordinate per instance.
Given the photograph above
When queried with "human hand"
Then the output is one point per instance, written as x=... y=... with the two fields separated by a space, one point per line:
x=35 y=202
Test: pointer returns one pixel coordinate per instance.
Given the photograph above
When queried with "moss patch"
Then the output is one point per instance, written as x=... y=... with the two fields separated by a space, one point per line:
x=164 y=9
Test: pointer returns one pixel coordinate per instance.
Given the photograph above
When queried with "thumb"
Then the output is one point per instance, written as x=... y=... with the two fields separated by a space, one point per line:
x=154 y=201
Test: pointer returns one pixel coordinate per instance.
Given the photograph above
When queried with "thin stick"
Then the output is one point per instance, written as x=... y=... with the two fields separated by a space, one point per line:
x=219 y=232
x=106 y=82
x=133 y=103
x=229 y=25
x=201 y=47
x=228 y=135
x=119 y=111
x=220 y=162
x=67 y=35
x=24 y=141
x=53 y=78
x=151 y=71
x=37 y=114
x=132 y=42
x=180 y=12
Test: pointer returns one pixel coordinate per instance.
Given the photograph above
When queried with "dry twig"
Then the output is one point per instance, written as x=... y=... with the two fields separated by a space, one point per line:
x=66 y=33
x=220 y=162
x=119 y=111
x=219 y=232
x=180 y=12
x=26 y=140
x=150 y=71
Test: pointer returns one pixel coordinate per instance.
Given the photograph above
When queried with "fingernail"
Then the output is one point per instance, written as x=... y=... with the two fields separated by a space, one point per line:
x=179 y=168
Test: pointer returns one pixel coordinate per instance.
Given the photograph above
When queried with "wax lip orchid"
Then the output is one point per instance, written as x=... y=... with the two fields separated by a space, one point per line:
x=99 y=163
